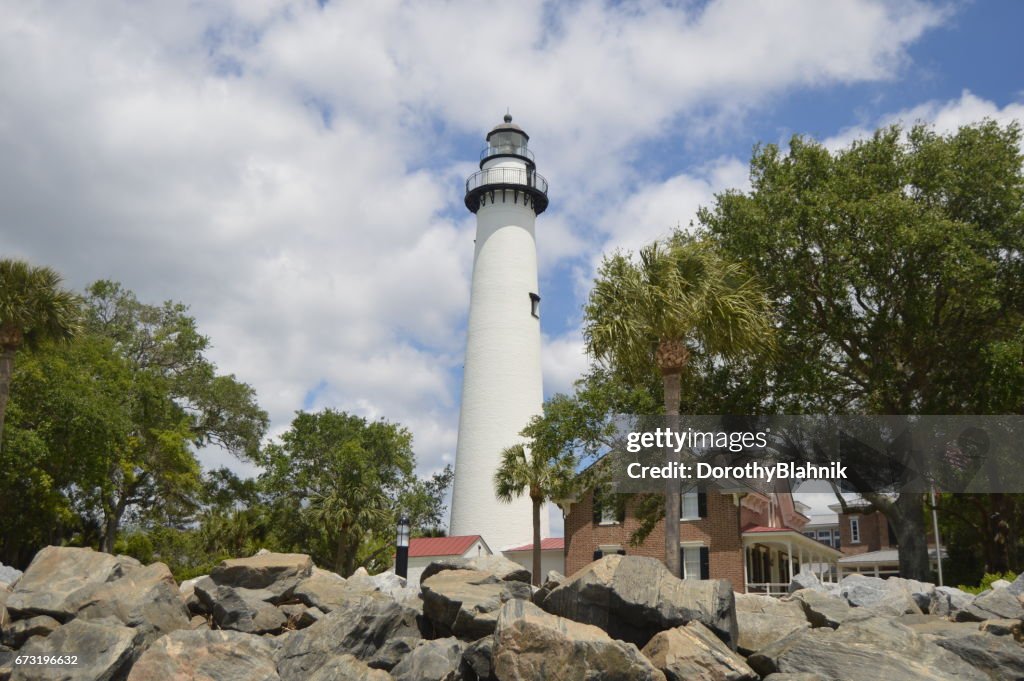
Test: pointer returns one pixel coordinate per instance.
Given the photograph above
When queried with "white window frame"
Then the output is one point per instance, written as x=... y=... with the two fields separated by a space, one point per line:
x=609 y=514
x=693 y=494
x=854 y=530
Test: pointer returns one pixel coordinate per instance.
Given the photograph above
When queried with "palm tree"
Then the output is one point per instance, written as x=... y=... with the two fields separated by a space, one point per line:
x=33 y=308
x=543 y=476
x=681 y=297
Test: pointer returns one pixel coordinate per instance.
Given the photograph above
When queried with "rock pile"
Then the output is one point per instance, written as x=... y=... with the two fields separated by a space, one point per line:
x=276 y=617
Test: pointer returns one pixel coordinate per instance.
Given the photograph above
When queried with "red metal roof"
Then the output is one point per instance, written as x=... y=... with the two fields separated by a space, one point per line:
x=441 y=546
x=549 y=544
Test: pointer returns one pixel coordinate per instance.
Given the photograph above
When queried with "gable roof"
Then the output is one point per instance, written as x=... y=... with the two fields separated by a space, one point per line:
x=549 y=544
x=422 y=547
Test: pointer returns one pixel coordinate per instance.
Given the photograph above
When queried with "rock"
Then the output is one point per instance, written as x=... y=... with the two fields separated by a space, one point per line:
x=883 y=597
x=55 y=573
x=499 y=566
x=198 y=622
x=998 y=603
x=920 y=592
x=207 y=656
x=999 y=584
x=947 y=601
x=551 y=582
x=870 y=649
x=794 y=677
x=385 y=582
x=360 y=626
x=146 y=598
x=20 y=631
x=1016 y=586
x=822 y=610
x=694 y=653
x=187 y=589
x=9 y=575
x=240 y=609
x=477 y=660
x=303 y=617
x=1003 y=628
x=465 y=603
x=937 y=627
x=392 y=652
x=278 y=573
x=104 y=649
x=347 y=668
x=633 y=598
x=763 y=620
x=999 y=657
x=5 y=618
x=436 y=660
x=323 y=592
x=531 y=644
x=805 y=579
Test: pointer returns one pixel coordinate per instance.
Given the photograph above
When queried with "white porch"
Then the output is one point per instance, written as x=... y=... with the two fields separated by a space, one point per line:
x=772 y=555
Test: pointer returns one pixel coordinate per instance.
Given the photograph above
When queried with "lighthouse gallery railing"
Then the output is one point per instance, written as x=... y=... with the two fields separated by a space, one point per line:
x=507 y=176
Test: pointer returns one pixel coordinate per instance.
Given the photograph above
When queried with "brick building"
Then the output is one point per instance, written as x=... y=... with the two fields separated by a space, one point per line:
x=868 y=542
x=752 y=538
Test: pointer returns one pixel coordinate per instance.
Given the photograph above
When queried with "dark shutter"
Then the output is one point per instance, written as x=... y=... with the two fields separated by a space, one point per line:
x=597 y=554
x=705 y=563
x=596 y=506
x=682 y=562
x=620 y=508
x=702 y=504
x=621 y=552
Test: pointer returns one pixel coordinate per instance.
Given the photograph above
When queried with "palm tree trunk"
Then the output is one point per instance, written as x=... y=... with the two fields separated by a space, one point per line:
x=6 y=371
x=672 y=384
x=536 y=541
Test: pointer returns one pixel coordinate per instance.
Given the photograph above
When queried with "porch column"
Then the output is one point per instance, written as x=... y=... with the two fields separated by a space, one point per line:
x=789 y=556
x=746 y=560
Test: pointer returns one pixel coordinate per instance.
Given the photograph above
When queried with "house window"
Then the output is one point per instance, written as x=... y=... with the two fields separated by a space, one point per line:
x=609 y=508
x=694 y=561
x=693 y=504
x=535 y=305
x=608 y=514
x=855 y=530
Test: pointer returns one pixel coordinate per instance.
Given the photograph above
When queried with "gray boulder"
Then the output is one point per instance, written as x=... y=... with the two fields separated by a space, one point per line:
x=1000 y=603
x=16 y=633
x=437 y=660
x=392 y=652
x=633 y=598
x=769 y=623
x=794 y=677
x=187 y=589
x=146 y=598
x=278 y=573
x=385 y=582
x=104 y=649
x=937 y=627
x=530 y=644
x=58 y=571
x=465 y=603
x=805 y=579
x=999 y=657
x=325 y=591
x=869 y=649
x=360 y=626
x=947 y=601
x=998 y=627
x=207 y=655
x=477 y=660
x=499 y=566
x=347 y=668
x=1016 y=586
x=240 y=609
x=694 y=653
x=920 y=592
x=822 y=610
x=879 y=594
x=9 y=575
x=553 y=580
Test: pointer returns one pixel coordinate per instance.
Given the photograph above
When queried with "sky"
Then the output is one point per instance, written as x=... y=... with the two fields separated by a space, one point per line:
x=293 y=170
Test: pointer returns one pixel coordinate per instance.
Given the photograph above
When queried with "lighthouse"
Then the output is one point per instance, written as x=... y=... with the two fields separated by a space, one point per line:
x=501 y=383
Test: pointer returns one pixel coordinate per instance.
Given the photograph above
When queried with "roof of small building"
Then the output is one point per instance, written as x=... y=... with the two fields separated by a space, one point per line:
x=880 y=557
x=822 y=519
x=442 y=546
x=549 y=544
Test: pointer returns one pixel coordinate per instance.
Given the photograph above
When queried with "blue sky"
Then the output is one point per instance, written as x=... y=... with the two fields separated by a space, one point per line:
x=293 y=170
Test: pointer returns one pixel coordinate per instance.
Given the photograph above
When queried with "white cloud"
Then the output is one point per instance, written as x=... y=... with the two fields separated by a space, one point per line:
x=291 y=171
x=945 y=116
x=564 y=361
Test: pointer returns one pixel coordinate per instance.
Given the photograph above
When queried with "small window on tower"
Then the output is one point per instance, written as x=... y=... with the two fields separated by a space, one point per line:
x=535 y=305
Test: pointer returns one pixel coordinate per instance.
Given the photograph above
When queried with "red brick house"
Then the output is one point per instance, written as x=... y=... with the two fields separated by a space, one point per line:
x=752 y=538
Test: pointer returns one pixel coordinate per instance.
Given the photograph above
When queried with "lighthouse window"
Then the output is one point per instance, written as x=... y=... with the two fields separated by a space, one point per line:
x=535 y=305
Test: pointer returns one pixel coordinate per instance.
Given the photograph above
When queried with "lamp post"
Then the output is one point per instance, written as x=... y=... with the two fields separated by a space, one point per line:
x=402 y=552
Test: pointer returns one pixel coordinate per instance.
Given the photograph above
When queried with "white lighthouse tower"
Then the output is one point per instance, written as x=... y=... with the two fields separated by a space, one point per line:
x=501 y=384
